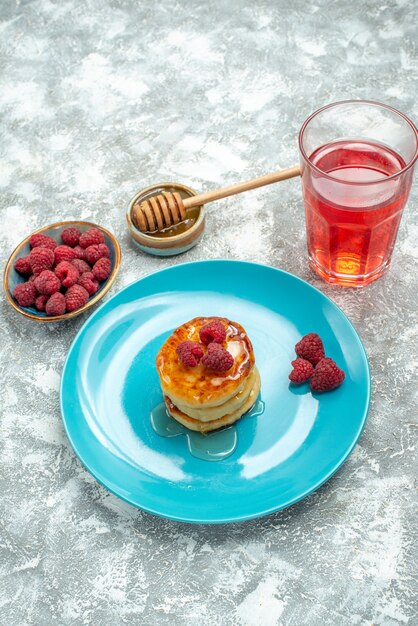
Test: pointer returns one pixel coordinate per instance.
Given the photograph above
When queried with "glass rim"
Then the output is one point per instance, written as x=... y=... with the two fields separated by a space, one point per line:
x=373 y=103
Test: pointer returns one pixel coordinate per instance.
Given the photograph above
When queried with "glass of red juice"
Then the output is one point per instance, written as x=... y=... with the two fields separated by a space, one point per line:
x=357 y=163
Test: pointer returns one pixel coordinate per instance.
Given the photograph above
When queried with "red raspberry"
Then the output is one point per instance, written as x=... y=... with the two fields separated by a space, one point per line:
x=64 y=253
x=47 y=283
x=327 y=375
x=41 y=259
x=70 y=236
x=23 y=266
x=25 y=294
x=40 y=302
x=217 y=358
x=75 y=297
x=301 y=372
x=81 y=265
x=56 y=304
x=80 y=253
x=189 y=353
x=212 y=332
x=88 y=281
x=67 y=273
x=91 y=237
x=102 y=268
x=310 y=348
x=96 y=252
x=31 y=278
x=44 y=241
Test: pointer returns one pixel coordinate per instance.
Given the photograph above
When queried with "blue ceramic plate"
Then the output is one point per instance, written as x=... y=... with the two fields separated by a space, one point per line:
x=110 y=386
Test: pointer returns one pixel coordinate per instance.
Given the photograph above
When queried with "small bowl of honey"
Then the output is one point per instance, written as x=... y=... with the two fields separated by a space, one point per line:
x=175 y=239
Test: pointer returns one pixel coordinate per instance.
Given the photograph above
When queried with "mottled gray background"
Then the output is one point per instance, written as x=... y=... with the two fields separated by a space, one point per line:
x=98 y=99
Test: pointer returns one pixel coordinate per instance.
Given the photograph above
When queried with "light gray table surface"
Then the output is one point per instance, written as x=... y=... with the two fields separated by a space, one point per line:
x=101 y=98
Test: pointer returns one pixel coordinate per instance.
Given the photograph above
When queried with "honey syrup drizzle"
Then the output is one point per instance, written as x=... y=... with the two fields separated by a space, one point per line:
x=214 y=446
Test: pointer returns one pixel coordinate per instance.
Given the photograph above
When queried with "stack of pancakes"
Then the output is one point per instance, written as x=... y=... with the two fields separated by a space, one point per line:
x=205 y=400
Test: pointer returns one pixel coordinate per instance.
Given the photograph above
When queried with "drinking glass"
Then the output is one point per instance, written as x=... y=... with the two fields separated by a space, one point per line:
x=357 y=163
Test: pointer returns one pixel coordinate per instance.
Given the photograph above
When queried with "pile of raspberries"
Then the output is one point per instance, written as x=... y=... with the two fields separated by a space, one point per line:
x=61 y=278
x=216 y=358
x=312 y=364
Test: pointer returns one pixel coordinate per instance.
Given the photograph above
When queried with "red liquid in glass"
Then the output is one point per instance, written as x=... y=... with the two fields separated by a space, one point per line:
x=351 y=228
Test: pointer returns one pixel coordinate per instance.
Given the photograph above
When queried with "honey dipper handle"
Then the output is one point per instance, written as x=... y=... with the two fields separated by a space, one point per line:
x=231 y=190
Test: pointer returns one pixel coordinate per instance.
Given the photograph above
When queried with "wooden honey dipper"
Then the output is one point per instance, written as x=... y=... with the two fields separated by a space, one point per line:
x=167 y=209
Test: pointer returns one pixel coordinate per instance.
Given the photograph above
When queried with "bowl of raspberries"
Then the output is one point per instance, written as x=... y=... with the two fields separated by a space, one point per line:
x=61 y=270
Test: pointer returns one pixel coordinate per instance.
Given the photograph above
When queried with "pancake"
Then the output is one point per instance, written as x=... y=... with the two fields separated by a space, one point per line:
x=208 y=414
x=225 y=420
x=197 y=387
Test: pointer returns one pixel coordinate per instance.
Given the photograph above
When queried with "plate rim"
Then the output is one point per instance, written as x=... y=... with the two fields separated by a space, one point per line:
x=235 y=518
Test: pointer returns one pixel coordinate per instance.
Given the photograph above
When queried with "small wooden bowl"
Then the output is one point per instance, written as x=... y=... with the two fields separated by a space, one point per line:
x=12 y=278
x=172 y=244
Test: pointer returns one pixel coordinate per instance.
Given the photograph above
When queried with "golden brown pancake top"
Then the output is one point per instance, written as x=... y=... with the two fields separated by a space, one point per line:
x=197 y=386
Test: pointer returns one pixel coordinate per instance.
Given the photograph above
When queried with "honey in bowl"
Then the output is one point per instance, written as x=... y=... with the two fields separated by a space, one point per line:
x=176 y=229
x=175 y=239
